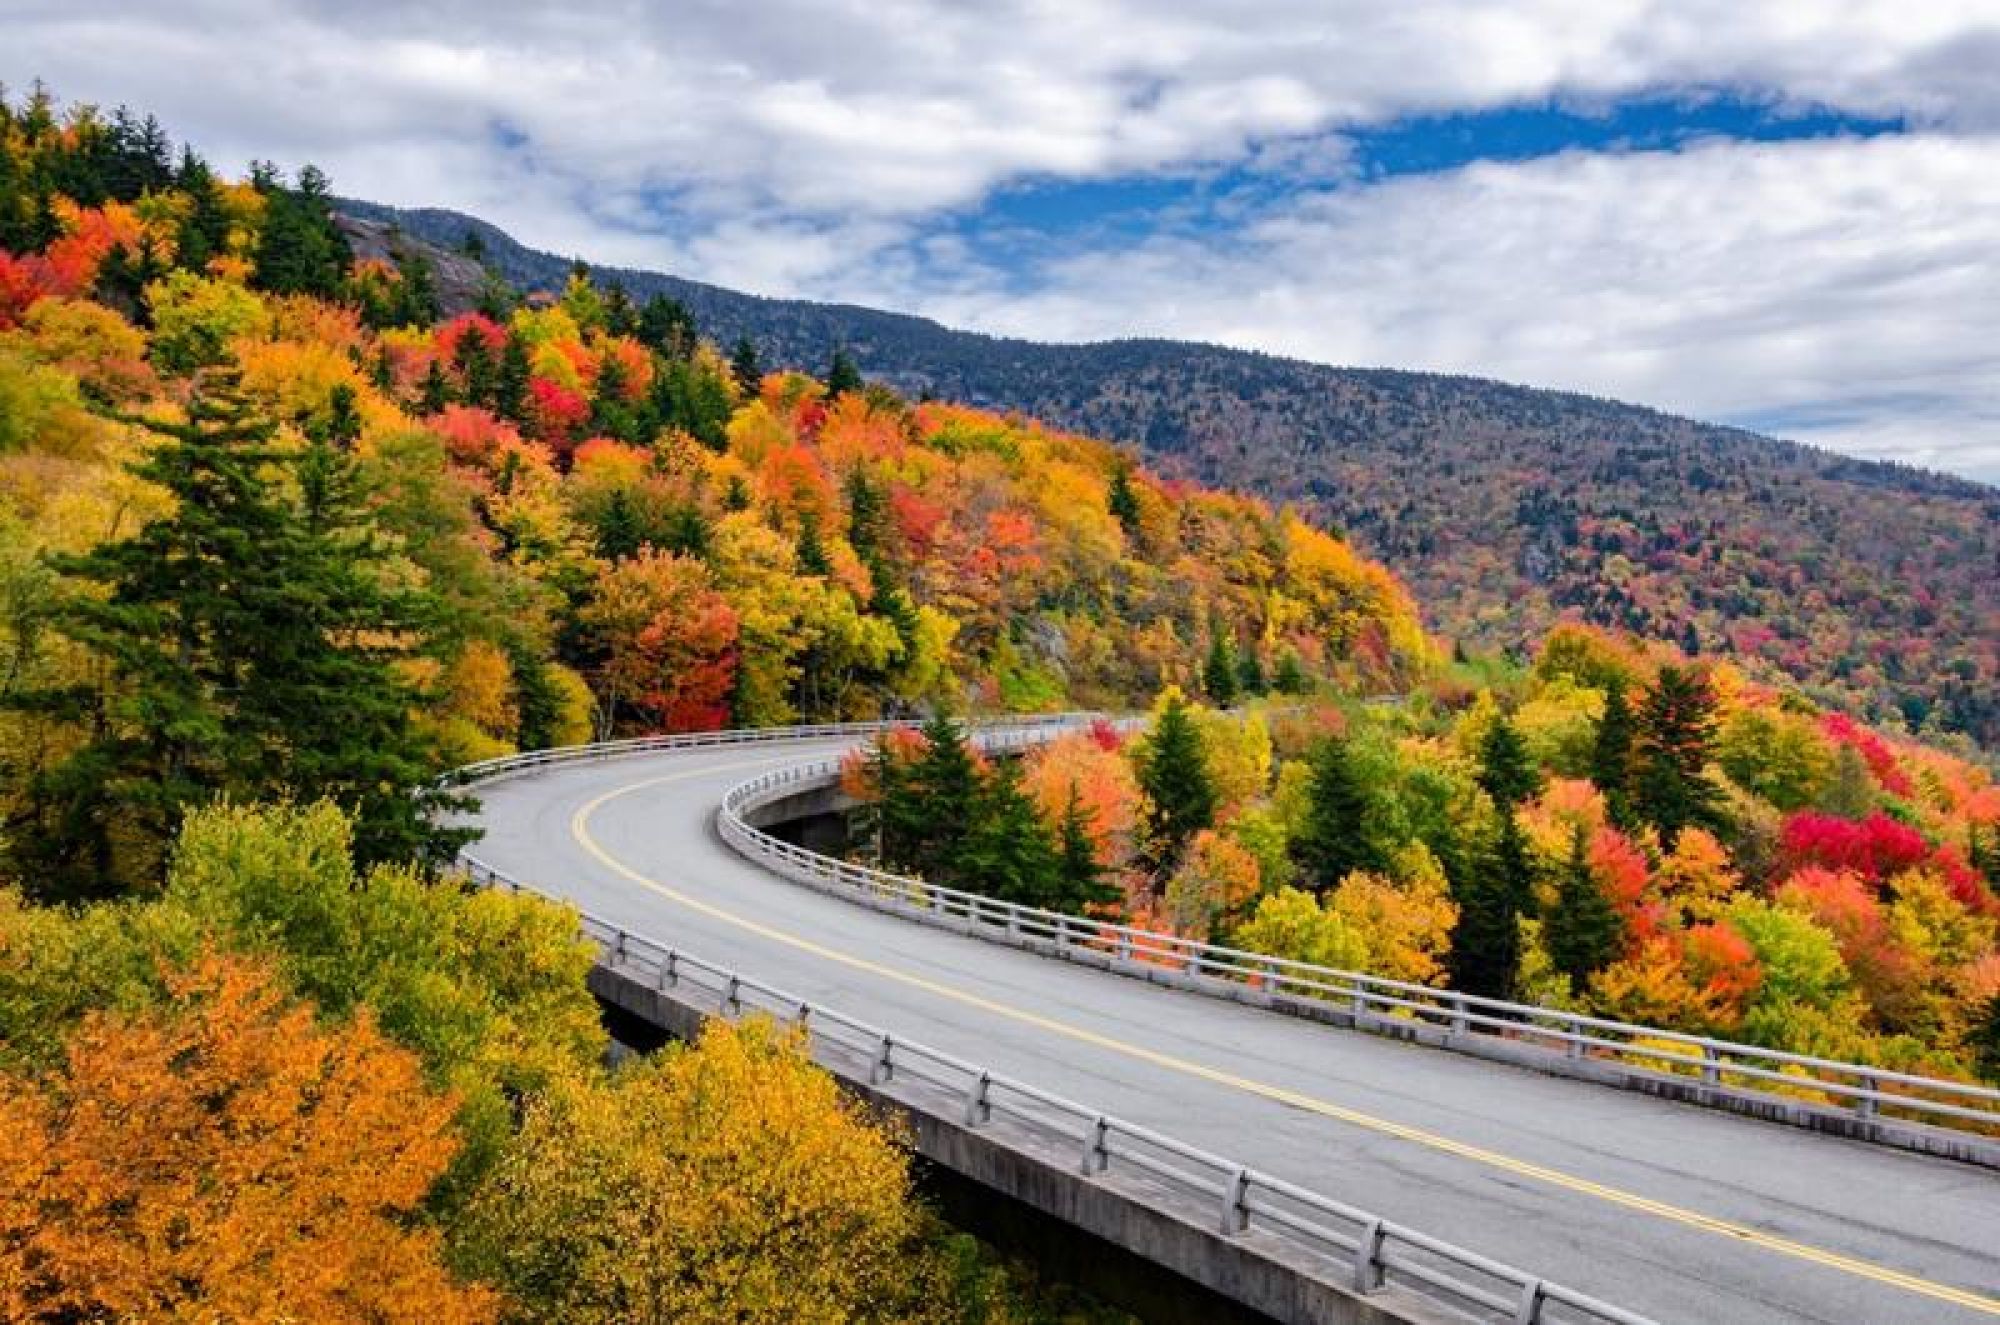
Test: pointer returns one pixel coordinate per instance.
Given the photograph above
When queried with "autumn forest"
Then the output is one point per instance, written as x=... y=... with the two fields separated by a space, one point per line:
x=283 y=542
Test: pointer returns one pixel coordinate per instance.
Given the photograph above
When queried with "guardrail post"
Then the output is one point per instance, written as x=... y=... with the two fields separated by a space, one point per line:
x=1711 y=1066
x=1096 y=1153
x=1368 y=1257
x=1864 y=1106
x=1062 y=932
x=1359 y=1002
x=731 y=996
x=884 y=1066
x=618 y=950
x=978 y=1108
x=1235 y=1211
x=1528 y=1311
x=1459 y=1025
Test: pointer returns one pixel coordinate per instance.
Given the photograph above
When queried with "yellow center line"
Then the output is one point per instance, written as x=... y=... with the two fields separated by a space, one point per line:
x=580 y=830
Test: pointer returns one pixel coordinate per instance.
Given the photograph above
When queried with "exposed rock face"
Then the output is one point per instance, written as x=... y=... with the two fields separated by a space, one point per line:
x=458 y=278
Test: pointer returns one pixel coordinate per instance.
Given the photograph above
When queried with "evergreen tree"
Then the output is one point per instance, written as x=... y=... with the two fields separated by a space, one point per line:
x=841 y=375
x=324 y=695
x=510 y=384
x=1492 y=890
x=811 y=550
x=1173 y=774
x=619 y=535
x=340 y=428
x=478 y=372
x=1984 y=1040
x=416 y=296
x=666 y=326
x=536 y=698
x=436 y=390
x=301 y=250
x=1218 y=674
x=1333 y=842
x=1583 y=930
x=1290 y=677
x=1497 y=886
x=252 y=644
x=1081 y=879
x=1250 y=673
x=620 y=317
x=1124 y=502
x=1671 y=788
x=1611 y=757
x=1506 y=773
x=942 y=786
x=1008 y=851
x=744 y=366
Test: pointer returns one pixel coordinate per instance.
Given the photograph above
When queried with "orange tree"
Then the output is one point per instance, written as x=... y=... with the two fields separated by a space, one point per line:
x=224 y=1158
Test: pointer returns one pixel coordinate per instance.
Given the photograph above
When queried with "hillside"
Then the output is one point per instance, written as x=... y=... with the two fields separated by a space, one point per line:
x=1505 y=508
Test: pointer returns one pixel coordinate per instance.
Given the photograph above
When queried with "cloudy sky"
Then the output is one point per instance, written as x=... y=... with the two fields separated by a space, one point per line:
x=1774 y=213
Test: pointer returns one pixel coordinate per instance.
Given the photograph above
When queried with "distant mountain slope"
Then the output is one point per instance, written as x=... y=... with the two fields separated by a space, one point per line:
x=1504 y=506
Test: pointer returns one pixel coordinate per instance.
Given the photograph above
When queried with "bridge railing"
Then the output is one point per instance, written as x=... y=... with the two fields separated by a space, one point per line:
x=1342 y=1242
x=1442 y=1017
x=492 y=770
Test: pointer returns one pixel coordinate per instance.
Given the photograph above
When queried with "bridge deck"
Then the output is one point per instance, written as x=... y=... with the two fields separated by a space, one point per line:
x=1674 y=1211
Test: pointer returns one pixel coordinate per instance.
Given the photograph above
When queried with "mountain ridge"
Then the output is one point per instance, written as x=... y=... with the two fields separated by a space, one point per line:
x=1505 y=506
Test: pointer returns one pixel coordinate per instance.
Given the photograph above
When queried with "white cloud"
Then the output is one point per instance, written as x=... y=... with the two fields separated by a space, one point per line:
x=815 y=147
x=1843 y=291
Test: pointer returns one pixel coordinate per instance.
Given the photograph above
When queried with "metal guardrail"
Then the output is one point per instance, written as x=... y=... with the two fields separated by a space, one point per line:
x=1364 y=1251
x=1449 y=1018
x=492 y=770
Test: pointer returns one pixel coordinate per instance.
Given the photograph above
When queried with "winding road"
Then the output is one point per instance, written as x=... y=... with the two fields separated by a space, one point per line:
x=1667 y=1209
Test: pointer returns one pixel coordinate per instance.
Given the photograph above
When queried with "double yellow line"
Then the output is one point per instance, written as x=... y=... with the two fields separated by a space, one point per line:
x=580 y=830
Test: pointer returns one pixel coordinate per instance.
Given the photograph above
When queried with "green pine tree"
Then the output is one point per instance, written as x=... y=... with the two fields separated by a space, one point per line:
x=1008 y=851
x=300 y=250
x=1080 y=878
x=1506 y=773
x=1583 y=930
x=744 y=366
x=1492 y=889
x=943 y=790
x=1671 y=788
x=1173 y=774
x=1333 y=841
x=1290 y=677
x=811 y=551
x=841 y=375
x=1611 y=757
x=1218 y=674
x=436 y=393
x=1984 y=1040
x=1250 y=678
x=510 y=384
x=1124 y=502
x=251 y=642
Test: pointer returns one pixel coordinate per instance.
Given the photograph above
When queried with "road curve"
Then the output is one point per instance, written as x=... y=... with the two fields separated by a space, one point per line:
x=1678 y=1212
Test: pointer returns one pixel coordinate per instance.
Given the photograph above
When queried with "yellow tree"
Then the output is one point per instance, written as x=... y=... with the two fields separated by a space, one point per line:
x=727 y=1181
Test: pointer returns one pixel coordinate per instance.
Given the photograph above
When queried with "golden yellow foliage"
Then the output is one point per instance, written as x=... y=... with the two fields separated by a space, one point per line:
x=727 y=1181
x=225 y=1160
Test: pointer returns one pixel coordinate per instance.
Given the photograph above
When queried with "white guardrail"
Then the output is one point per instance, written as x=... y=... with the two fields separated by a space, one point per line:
x=1362 y=1250
x=1366 y=1252
x=1873 y=1095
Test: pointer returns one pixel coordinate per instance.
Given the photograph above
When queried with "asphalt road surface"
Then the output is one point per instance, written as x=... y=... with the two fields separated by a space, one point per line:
x=1667 y=1209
